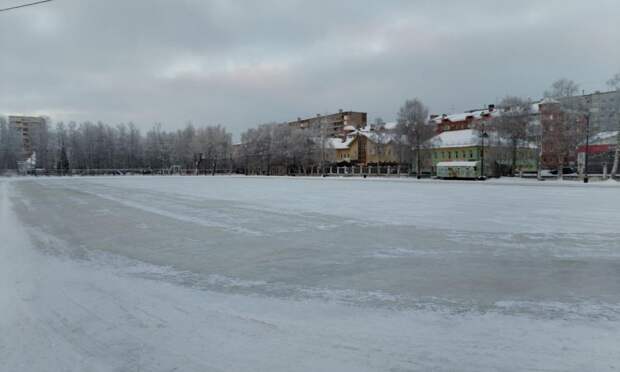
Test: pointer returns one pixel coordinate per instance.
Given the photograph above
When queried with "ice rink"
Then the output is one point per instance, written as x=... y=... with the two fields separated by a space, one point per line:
x=301 y=274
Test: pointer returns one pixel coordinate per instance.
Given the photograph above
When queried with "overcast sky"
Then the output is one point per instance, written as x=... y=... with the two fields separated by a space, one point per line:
x=240 y=63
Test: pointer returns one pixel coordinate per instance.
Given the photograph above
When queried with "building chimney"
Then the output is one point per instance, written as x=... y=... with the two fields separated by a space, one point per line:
x=491 y=108
x=434 y=116
x=340 y=111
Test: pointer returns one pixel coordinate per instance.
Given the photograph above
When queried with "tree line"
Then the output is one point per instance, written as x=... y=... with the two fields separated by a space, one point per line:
x=88 y=145
x=279 y=148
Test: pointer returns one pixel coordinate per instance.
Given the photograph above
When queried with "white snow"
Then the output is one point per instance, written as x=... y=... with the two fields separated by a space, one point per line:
x=282 y=274
x=456 y=138
x=604 y=138
x=392 y=125
x=461 y=116
x=457 y=164
x=340 y=143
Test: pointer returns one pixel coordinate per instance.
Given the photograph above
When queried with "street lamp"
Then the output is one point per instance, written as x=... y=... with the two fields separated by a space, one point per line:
x=483 y=136
x=590 y=110
x=585 y=174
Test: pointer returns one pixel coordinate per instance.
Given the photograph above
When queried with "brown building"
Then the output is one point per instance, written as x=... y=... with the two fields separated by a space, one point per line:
x=466 y=120
x=333 y=124
x=365 y=148
x=27 y=127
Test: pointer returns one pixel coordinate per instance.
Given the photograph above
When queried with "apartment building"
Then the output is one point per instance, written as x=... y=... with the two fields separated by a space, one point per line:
x=27 y=127
x=333 y=125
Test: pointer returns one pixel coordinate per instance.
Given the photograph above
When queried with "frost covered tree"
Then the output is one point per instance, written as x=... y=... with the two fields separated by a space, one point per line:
x=304 y=150
x=380 y=139
x=414 y=127
x=257 y=149
x=563 y=134
x=514 y=125
x=182 y=153
x=10 y=146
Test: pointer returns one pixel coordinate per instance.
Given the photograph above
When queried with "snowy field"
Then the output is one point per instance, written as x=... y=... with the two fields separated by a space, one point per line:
x=286 y=274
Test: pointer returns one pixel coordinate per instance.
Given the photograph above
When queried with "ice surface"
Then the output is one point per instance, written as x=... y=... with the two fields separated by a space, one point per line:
x=284 y=274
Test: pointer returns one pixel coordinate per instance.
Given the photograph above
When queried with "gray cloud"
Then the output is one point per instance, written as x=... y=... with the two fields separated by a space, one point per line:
x=240 y=63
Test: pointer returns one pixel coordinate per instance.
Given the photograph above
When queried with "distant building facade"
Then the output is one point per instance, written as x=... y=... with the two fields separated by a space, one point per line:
x=603 y=107
x=365 y=147
x=601 y=151
x=466 y=146
x=561 y=136
x=28 y=127
x=333 y=124
x=466 y=120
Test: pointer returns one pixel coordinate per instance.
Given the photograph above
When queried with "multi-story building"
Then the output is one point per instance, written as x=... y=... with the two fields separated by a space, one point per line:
x=466 y=145
x=601 y=150
x=563 y=123
x=333 y=125
x=365 y=147
x=465 y=120
x=603 y=108
x=27 y=127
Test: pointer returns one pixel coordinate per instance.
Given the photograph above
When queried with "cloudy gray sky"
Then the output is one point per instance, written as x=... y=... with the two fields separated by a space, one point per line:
x=240 y=63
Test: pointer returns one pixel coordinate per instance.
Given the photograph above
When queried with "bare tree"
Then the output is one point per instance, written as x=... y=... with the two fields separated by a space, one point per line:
x=413 y=124
x=567 y=129
x=513 y=124
x=562 y=88
x=614 y=84
x=9 y=146
x=380 y=139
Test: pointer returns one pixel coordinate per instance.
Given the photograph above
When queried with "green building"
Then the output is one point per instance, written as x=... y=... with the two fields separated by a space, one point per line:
x=466 y=146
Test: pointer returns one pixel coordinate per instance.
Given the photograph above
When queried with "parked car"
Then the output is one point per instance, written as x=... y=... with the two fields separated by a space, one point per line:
x=566 y=171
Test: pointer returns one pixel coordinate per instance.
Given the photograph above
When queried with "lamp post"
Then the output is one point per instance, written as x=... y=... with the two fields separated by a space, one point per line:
x=483 y=136
x=585 y=173
x=587 y=157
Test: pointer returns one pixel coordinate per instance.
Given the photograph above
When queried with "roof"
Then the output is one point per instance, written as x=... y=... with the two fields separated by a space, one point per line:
x=339 y=144
x=605 y=138
x=474 y=114
x=379 y=137
x=391 y=125
x=456 y=138
x=457 y=164
x=471 y=137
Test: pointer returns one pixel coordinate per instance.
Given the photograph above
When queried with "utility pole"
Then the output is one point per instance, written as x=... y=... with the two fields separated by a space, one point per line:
x=417 y=154
x=483 y=136
x=585 y=173
x=614 y=169
x=24 y=5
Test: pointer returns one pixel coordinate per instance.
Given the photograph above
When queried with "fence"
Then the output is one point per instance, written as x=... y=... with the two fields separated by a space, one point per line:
x=344 y=171
x=332 y=171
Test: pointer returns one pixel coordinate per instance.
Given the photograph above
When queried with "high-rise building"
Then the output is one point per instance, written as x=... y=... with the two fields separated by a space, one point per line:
x=333 y=124
x=27 y=127
x=603 y=107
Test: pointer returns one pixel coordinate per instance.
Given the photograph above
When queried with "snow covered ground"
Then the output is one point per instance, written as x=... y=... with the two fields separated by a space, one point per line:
x=285 y=274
